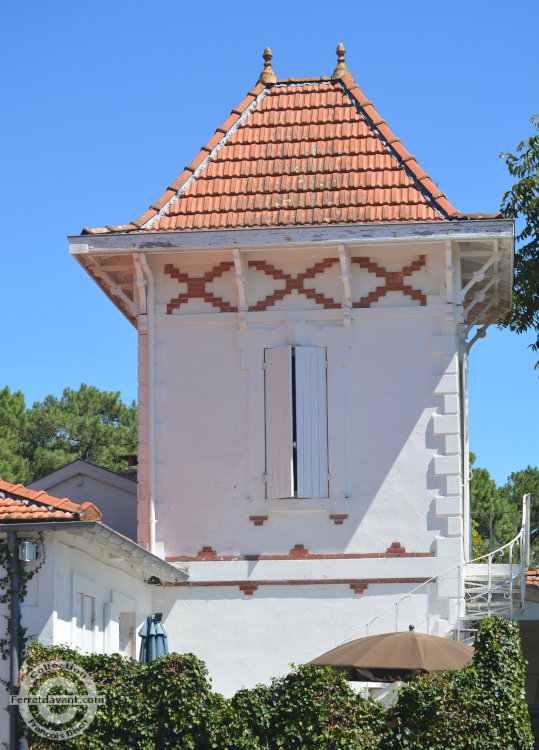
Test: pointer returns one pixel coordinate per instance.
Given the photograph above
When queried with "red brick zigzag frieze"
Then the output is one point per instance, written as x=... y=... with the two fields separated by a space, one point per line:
x=394 y=281
x=196 y=287
x=294 y=282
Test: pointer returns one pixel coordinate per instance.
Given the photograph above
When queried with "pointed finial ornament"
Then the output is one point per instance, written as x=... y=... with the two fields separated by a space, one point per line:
x=341 y=70
x=267 y=76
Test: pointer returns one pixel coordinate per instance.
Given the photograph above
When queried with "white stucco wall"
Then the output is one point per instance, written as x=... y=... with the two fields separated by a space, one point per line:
x=82 y=567
x=394 y=445
x=388 y=458
x=48 y=612
x=245 y=640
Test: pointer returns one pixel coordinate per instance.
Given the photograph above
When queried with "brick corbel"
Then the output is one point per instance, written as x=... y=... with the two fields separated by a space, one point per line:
x=395 y=550
x=248 y=588
x=258 y=520
x=298 y=551
x=207 y=553
x=358 y=588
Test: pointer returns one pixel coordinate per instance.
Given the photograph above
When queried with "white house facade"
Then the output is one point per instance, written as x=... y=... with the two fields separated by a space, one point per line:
x=92 y=587
x=305 y=299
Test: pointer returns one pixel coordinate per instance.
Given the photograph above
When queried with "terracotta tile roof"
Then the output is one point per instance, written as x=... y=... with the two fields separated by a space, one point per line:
x=298 y=152
x=532 y=577
x=18 y=503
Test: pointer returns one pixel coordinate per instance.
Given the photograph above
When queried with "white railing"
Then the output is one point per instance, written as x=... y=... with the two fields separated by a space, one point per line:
x=496 y=583
x=494 y=590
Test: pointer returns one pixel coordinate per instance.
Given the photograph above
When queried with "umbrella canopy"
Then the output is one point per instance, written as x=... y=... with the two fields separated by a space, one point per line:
x=396 y=656
x=154 y=639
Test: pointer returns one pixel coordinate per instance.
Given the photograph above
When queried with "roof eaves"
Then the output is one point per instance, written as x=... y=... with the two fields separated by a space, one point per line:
x=409 y=163
x=108 y=539
x=20 y=493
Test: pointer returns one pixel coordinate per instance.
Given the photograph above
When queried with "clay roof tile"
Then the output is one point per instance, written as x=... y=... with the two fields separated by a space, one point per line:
x=320 y=141
x=18 y=503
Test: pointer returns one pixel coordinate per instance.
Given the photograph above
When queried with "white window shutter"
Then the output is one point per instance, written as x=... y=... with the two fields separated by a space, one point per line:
x=311 y=421
x=279 y=422
x=85 y=622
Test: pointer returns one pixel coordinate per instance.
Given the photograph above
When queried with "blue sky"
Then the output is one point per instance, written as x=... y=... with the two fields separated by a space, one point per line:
x=104 y=103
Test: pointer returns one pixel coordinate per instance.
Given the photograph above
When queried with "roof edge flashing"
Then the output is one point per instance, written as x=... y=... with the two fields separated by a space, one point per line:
x=402 y=163
x=202 y=166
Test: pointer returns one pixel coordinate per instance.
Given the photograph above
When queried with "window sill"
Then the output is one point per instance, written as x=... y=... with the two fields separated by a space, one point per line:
x=333 y=504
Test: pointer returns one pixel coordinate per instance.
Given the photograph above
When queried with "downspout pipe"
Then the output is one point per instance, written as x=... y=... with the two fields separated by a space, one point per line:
x=150 y=304
x=14 y=656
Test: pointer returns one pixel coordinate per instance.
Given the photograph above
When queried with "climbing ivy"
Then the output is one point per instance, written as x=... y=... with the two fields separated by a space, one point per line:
x=169 y=704
x=6 y=589
x=481 y=707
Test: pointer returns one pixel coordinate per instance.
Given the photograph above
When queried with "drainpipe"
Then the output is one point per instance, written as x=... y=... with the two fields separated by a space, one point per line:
x=14 y=637
x=140 y=262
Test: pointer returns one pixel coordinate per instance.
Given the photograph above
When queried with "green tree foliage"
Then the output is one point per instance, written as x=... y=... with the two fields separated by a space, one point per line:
x=312 y=707
x=493 y=515
x=15 y=453
x=168 y=704
x=518 y=484
x=85 y=423
x=523 y=201
x=480 y=546
x=502 y=506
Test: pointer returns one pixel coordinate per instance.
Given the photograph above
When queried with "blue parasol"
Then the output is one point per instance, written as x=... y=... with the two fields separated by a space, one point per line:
x=154 y=639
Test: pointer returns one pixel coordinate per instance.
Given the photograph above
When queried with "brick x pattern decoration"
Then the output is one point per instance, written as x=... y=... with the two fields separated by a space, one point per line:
x=196 y=286
x=394 y=281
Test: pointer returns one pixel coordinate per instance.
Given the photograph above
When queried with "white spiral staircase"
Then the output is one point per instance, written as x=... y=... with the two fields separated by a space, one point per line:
x=495 y=583
x=487 y=586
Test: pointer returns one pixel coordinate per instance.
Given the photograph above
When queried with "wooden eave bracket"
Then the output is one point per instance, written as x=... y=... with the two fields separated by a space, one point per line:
x=115 y=290
x=347 y=287
x=140 y=284
x=240 y=283
x=480 y=274
x=483 y=318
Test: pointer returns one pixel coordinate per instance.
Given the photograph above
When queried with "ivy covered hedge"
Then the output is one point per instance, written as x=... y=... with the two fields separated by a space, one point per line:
x=169 y=704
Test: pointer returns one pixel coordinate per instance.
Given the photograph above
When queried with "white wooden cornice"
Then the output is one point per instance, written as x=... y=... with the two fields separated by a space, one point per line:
x=484 y=246
x=253 y=239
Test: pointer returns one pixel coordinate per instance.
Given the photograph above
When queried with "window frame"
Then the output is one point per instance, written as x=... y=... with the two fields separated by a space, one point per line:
x=296 y=422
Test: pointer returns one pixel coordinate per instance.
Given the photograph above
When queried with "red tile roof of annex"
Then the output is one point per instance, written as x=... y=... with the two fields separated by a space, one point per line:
x=298 y=152
x=18 y=503
x=532 y=577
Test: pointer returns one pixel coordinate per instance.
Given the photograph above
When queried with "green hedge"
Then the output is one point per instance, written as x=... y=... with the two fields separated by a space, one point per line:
x=169 y=704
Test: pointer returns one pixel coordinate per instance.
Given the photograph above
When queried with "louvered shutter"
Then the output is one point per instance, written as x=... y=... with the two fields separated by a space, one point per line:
x=311 y=421
x=279 y=426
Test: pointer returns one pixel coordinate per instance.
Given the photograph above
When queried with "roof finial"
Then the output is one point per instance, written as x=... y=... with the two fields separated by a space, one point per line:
x=267 y=76
x=341 y=70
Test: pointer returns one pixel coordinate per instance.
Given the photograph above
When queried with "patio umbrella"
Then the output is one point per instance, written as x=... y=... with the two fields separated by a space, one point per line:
x=154 y=639
x=396 y=656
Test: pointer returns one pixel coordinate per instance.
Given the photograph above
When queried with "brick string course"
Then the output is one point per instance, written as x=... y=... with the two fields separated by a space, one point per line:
x=298 y=552
x=357 y=585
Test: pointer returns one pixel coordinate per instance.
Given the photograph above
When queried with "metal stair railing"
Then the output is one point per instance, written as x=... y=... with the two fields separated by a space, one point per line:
x=495 y=587
x=496 y=590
